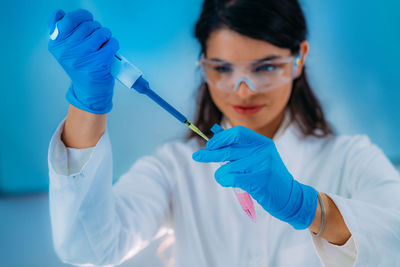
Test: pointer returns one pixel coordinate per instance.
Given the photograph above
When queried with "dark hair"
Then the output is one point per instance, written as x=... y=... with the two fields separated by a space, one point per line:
x=279 y=22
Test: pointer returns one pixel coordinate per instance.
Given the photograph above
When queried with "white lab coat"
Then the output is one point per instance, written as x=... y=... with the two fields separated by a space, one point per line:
x=96 y=223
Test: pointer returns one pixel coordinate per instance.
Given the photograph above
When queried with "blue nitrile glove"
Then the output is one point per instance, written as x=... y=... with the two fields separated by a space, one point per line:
x=256 y=167
x=85 y=50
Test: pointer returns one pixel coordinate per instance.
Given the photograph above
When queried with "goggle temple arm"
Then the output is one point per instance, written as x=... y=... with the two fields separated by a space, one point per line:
x=296 y=64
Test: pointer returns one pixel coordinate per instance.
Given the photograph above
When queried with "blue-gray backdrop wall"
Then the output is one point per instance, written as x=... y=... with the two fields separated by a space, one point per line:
x=353 y=66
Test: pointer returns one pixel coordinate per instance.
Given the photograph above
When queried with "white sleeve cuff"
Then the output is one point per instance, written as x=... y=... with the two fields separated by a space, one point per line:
x=65 y=160
x=334 y=255
x=77 y=158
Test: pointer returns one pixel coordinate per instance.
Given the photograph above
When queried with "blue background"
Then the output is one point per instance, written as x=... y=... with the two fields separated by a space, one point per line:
x=353 y=67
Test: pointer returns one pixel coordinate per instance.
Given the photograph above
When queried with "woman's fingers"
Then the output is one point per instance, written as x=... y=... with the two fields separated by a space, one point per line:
x=236 y=135
x=238 y=173
x=67 y=24
x=228 y=153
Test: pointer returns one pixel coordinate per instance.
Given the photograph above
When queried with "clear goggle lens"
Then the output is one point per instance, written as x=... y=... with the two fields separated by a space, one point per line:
x=260 y=76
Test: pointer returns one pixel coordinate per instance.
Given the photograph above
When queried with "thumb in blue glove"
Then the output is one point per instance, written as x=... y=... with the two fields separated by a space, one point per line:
x=256 y=167
x=85 y=50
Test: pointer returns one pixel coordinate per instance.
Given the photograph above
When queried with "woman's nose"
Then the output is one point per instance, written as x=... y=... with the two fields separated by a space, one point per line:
x=243 y=90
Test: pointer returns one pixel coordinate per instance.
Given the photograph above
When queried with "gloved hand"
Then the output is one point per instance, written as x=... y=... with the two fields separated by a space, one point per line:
x=256 y=167
x=85 y=50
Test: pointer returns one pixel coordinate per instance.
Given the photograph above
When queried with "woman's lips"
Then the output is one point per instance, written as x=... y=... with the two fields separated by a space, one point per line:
x=247 y=109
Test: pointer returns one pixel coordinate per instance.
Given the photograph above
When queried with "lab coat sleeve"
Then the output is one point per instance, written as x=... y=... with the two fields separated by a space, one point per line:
x=370 y=209
x=96 y=223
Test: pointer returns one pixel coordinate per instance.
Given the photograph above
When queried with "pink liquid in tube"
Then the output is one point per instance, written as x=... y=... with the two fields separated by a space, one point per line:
x=246 y=202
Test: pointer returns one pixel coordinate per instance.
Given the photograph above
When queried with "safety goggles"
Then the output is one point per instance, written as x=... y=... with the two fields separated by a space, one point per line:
x=260 y=76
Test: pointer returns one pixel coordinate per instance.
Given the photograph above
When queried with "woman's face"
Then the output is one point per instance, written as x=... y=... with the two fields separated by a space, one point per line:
x=229 y=46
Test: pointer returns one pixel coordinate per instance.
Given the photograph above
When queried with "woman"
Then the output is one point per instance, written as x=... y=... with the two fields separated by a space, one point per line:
x=321 y=199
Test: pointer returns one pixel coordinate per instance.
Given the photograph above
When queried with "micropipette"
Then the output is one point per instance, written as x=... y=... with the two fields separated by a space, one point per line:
x=132 y=77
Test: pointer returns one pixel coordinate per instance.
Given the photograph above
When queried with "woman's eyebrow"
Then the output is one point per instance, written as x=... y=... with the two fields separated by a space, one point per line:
x=270 y=57
x=219 y=60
